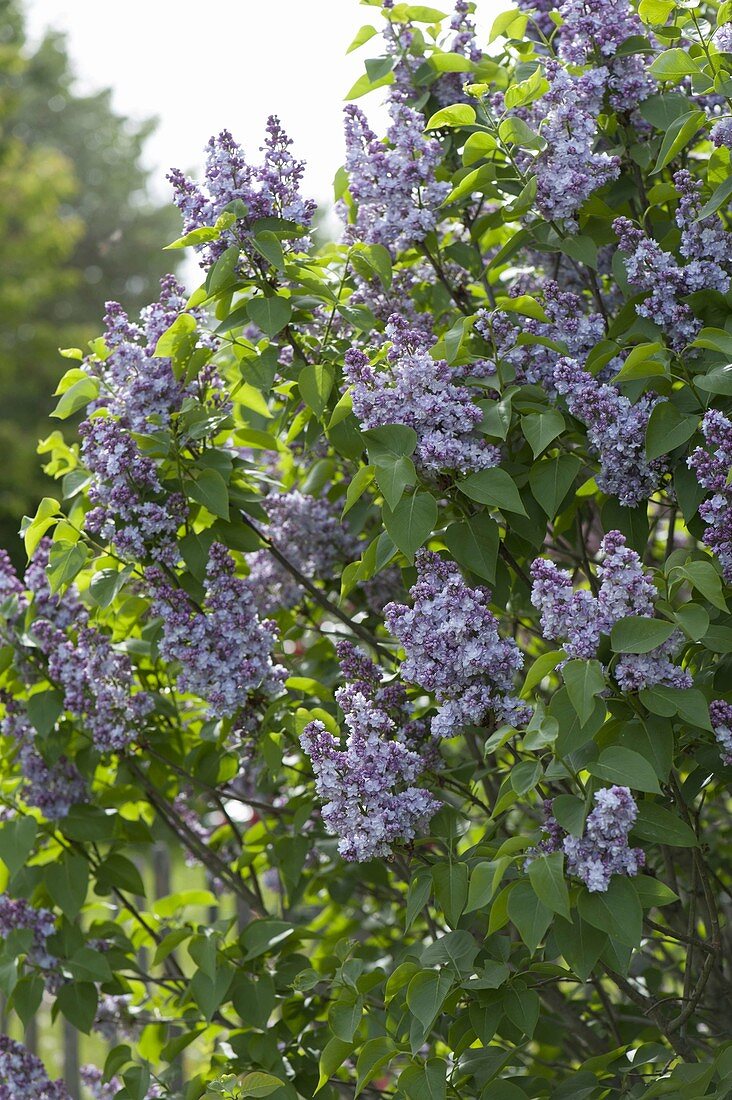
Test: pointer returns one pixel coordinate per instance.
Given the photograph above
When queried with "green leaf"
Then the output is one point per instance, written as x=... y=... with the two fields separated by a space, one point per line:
x=546 y=875
x=258 y=1083
x=363 y=35
x=270 y=314
x=315 y=383
x=375 y=1053
x=719 y=197
x=17 y=838
x=667 y=429
x=529 y=914
x=390 y=441
x=357 y=486
x=78 y=1002
x=626 y=768
x=420 y=888
x=460 y=114
x=210 y=489
x=706 y=580
x=67 y=881
x=47 y=514
x=617 y=912
x=473 y=544
x=482 y=885
x=494 y=487
x=552 y=479
x=332 y=1058
x=66 y=561
x=451 y=889
x=411 y=522
x=674 y=65
x=659 y=825
x=581 y=944
x=268 y=245
x=344 y=1016
x=541 y=428
x=509 y=24
x=584 y=680
x=117 y=871
x=655 y=12
x=679 y=134
x=424 y=1082
x=514 y=131
x=522 y=1008
x=76 y=397
x=106 y=585
x=717 y=380
x=652 y=893
x=426 y=994
x=638 y=634
x=541 y=667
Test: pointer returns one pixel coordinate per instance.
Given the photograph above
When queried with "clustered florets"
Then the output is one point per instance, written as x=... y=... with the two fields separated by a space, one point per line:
x=16 y=914
x=602 y=851
x=393 y=184
x=453 y=649
x=568 y=324
x=270 y=190
x=307 y=531
x=704 y=244
x=570 y=169
x=23 y=1076
x=578 y=618
x=51 y=788
x=721 y=716
x=425 y=394
x=223 y=648
x=712 y=466
x=616 y=432
x=367 y=788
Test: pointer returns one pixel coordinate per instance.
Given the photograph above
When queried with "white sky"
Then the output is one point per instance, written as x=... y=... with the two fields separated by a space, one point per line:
x=204 y=65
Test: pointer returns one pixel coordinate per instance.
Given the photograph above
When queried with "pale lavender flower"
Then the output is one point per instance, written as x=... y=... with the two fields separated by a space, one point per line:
x=23 y=1075
x=223 y=648
x=425 y=394
x=569 y=169
x=616 y=431
x=18 y=914
x=308 y=532
x=51 y=788
x=723 y=38
x=712 y=465
x=393 y=184
x=603 y=849
x=453 y=649
x=721 y=716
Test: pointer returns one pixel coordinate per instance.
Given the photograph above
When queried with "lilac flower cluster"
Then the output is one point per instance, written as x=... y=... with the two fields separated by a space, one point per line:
x=270 y=190
x=704 y=244
x=569 y=323
x=422 y=393
x=10 y=586
x=712 y=465
x=51 y=788
x=453 y=649
x=136 y=387
x=721 y=716
x=223 y=648
x=97 y=684
x=23 y=1076
x=592 y=32
x=17 y=913
x=370 y=802
x=393 y=184
x=99 y=1089
x=603 y=849
x=131 y=509
x=307 y=531
x=449 y=87
x=616 y=432
x=578 y=618
x=569 y=169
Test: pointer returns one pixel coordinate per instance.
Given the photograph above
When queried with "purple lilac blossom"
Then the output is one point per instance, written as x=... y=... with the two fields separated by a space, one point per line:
x=23 y=1076
x=270 y=190
x=704 y=244
x=712 y=465
x=51 y=788
x=448 y=88
x=425 y=394
x=721 y=133
x=577 y=618
x=131 y=509
x=96 y=682
x=99 y=1089
x=223 y=648
x=569 y=323
x=721 y=716
x=392 y=184
x=17 y=913
x=569 y=169
x=722 y=38
x=603 y=849
x=10 y=586
x=616 y=431
x=592 y=32
x=453 y=649
x=367 y=789
x=309 y=534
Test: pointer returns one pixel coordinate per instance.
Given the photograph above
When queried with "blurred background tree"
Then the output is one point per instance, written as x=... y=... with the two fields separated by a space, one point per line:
x=78 y=225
